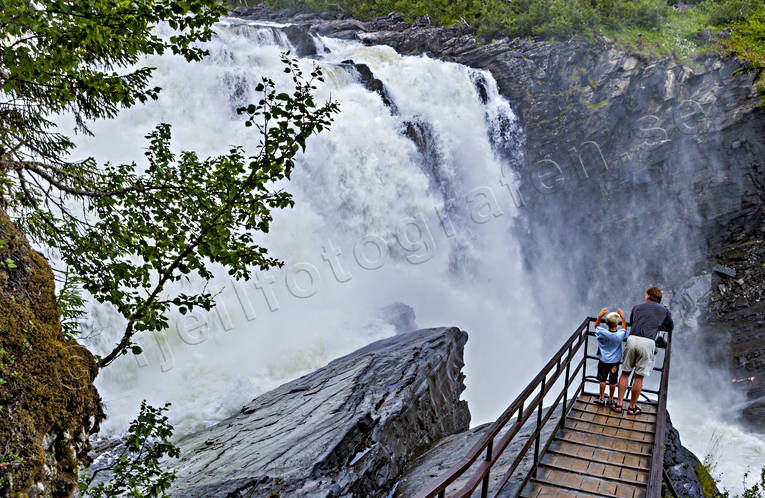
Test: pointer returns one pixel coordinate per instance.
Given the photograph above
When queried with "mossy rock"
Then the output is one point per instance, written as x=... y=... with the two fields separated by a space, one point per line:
x=708 y=484
x=48 y=404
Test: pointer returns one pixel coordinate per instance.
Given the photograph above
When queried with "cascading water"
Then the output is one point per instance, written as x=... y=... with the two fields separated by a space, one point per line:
x=398 y=208
x=399 y=205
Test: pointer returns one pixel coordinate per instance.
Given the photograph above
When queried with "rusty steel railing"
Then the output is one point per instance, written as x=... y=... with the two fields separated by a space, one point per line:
x=657 y=455
x=525 y=405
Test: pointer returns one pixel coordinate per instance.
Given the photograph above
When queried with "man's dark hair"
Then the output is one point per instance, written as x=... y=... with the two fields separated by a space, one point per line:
x=654 y=294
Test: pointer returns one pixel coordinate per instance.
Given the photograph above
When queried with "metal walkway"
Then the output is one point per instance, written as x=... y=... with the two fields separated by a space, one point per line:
x=589 y=451
x=600 y=453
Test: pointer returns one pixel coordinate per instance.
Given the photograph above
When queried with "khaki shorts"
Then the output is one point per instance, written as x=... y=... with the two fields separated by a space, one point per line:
x=639 y=354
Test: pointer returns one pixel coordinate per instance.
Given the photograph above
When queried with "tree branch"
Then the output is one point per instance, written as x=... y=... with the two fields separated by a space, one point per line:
x=165 y=276
x=40 y=170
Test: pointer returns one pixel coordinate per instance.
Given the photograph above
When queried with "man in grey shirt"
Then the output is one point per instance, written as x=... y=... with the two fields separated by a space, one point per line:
x=640 y=351
x=650 y=317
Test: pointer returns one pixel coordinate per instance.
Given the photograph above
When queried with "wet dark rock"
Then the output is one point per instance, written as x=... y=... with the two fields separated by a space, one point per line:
x=373 y=84
x=348 y=429
x=301 y=40
x=419 y=133
x=686 y=473
x=480 y=87
x=736 y=312
x=401 y=316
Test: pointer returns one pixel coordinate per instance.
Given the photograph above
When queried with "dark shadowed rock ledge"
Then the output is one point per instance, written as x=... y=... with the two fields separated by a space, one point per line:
x=348 y=429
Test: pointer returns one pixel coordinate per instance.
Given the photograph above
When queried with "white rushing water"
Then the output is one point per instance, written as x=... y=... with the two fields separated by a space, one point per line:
x=377 y=221
x=366 y=230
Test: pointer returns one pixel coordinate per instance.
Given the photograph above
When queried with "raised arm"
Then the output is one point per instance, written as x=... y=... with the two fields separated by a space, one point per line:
x=624 y=321
x=600 y=316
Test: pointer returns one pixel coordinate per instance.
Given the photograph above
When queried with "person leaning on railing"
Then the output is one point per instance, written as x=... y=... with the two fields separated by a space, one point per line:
x=609 y=351
x=646 y=320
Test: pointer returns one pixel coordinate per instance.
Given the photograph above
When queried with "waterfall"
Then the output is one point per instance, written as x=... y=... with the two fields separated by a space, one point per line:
x=403 y=212
x=404 y=215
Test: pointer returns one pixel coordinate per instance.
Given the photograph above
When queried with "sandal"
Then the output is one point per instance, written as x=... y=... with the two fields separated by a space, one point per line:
x=600 y=402
x=617 y=408
x=634 y=411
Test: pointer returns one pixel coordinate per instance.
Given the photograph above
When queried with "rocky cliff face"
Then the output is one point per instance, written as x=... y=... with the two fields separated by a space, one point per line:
x=641 y=170
x=48 y=405
x=348 y=429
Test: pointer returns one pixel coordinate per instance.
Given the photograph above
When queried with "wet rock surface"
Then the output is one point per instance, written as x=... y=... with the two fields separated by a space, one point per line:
x=301 y=40
x=736 y=312
x=348 y=429
x=685 y=471
x=373 y=84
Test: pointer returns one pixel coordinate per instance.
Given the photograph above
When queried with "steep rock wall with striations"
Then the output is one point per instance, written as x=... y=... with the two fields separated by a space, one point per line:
x=348 y=429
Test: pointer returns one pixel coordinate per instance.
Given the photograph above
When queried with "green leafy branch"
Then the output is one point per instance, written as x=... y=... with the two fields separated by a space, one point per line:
x=137 y=471
x=138 y=232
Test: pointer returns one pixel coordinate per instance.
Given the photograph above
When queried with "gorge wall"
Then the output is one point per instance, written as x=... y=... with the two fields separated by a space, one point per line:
x=640 y=170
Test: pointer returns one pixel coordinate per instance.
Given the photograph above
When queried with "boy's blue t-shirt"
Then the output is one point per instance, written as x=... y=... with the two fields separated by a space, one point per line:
x=610 y=344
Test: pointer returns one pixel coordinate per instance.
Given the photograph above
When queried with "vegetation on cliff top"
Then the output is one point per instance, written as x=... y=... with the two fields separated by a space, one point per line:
x=658 y=27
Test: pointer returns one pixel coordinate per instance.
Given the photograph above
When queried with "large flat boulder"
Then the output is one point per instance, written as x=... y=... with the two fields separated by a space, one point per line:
x=348 y=429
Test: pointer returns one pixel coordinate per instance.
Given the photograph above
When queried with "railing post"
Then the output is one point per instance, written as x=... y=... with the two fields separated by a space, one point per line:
x=565 y=389
x=584 y=367
x=539 y=424
x=485 y=483
x=442 y=494
x=520 y=412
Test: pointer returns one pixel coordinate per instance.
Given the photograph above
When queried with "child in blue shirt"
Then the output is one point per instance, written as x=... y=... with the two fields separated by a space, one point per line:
x=609 y=351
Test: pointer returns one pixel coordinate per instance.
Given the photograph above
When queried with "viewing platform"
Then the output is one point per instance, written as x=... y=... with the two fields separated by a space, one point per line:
x=574 y=447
